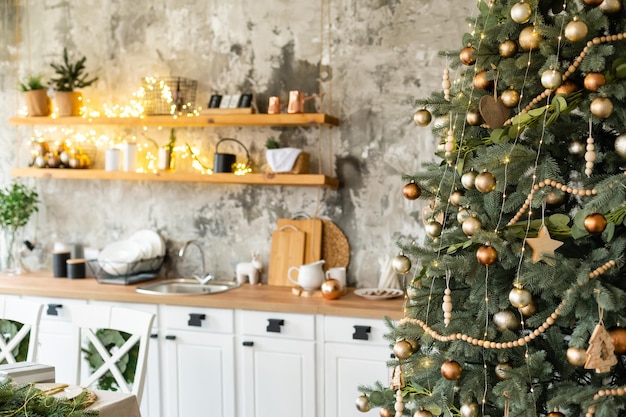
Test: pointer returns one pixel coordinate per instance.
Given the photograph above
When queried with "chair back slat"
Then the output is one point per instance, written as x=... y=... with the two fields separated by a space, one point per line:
x=28 y=314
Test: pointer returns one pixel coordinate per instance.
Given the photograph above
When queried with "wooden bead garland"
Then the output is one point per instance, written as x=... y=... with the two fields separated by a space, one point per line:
x=446 y=84
x=590 y=156
x=399 y=405
x=613 y=392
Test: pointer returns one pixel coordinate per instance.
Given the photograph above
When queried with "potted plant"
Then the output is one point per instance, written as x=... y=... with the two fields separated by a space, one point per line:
x=35 y=96
x=285 y=160
x=70 y=76
x=17 y=203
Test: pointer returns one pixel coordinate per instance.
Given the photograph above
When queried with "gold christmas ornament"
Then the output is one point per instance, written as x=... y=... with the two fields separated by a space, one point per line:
x=555 y=199
x=470 y=410
x=506 y=320
x=510 y=97
x=385 y=412
x=471 y=225
x=551 y=79
x=507 y=49
x=502 y=371
x=331 y=289
x=521 y=12
x=468 y=56
x=411 y=191
x=463 y=215
x=595 y=223
x=576 y=356
x=468 y=179
x=422 y=117
x=433 y=229
x=593 y=81
x=610 y=6
x=455 y=197
x=568 y=87
x=473 y=118
x=401 y=264
x=481 y=82
x=555 y=413
x=422 y=413
x=601 y=107
x=519 y=297
x=592 y=3
x=576 y=148
x=543 y=246
x=403 y=350
x=620 y=145
x=529 y=309
x=362 y=403
x=529 y=38
x=451 y=370
x=576 y=31
x=485 y=182
x=486 y=255
x=618 y=338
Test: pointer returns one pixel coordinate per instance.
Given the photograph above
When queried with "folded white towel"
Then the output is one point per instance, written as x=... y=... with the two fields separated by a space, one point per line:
x=282 y=159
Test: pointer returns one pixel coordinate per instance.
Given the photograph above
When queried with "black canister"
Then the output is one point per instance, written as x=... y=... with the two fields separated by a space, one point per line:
x=59 y=263
x=223 y=162
x=76 y=268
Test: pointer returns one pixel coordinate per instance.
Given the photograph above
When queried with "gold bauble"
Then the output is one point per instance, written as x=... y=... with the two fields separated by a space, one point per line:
x=422 y=117
x=471 y=225
x=620 y=145
x=618 y=338
x=506 y=320
x=487 y=255
x=414 y=344
x=433 y=228
x=529 y=38
x=529 y=309
x=502 y=371
x=422 y=413
x=386 y=413
x=576 y=31
x=470 y=410
x=551 y=79
x=555 y=198
x=576 y=356
x=455 y=197
x=593 y=81
x=576 y=148
x=403 y=350
x=481 y=82
x=451 y=370
x=521 y=12
x=401 y=264
x=473 y=118
x=510 y=98
x=568 y=87
x=41 y=148
x=507 y=49
x=601 y=107
x=468 y=179
x=485 y=182
x=331 y=289
x=555 y=414
x=610 y=6
x=595 y=223
x=362 y=403
x=411 y=191
x=592 y=3
x=519 y=297
x=463 y=215
x=467 y=56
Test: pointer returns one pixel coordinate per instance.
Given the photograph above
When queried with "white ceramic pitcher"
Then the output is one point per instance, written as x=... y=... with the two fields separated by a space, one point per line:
x=310 y=276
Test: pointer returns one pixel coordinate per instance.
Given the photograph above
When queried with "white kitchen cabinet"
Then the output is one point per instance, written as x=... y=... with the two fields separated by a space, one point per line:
x=276 y=364
x=198 y=376
x=355 y=353
x=56 y=336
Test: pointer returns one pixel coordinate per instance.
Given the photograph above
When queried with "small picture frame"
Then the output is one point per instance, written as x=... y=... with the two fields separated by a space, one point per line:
x=234 y=101
x=225 y=103
x=214 y=101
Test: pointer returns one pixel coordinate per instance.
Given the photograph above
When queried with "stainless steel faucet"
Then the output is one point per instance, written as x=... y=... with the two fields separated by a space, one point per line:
x=202 y=279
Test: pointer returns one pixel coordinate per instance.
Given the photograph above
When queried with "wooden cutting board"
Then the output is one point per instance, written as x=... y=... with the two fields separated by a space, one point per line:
x=312 y=229
x=288 y=244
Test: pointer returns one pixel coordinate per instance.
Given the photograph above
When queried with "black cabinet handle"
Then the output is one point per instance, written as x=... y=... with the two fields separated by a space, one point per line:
x=170 y=337
x=154 y=336
x=248 y=343
x=196 y=319
x=273 y=325
x=361 y=332
x=52 y=309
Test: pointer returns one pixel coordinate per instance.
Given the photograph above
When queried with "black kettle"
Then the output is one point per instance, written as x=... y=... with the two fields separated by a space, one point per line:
x=223 y=162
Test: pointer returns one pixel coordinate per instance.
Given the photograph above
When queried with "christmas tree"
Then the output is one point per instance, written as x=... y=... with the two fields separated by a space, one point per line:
x=515 y=300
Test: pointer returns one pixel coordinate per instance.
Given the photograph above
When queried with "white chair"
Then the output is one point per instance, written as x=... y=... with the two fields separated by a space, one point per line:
x=28 y=314
x=87 y=319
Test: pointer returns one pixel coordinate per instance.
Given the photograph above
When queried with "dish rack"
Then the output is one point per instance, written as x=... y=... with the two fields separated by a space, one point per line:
x=125 y=273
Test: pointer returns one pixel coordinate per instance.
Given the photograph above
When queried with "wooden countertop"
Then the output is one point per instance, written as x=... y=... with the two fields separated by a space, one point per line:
x=246 y=297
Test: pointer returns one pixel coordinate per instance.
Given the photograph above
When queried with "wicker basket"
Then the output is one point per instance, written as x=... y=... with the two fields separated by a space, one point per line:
x=168 y=95
x=300 y=166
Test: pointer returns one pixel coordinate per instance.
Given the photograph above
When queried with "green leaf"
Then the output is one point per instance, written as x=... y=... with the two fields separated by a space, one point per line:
x=537 y=112
x=609 y=232
x=500 y=135
x=620 y=71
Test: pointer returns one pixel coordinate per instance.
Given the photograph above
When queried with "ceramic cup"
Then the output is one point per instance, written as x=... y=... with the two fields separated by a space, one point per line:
x=338 y=273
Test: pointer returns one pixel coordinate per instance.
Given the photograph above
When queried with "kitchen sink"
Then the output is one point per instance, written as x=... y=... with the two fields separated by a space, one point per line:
x=186 y=286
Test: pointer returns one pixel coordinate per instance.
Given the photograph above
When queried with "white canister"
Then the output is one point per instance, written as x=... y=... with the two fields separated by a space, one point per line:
x=112 y=160
x=130 y=157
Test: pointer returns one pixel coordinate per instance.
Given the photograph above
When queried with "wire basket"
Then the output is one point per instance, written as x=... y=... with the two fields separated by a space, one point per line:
x=168 y=95
x=109 y=272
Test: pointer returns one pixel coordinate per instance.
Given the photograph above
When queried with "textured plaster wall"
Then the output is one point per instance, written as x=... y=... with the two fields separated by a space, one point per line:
x=371 y=58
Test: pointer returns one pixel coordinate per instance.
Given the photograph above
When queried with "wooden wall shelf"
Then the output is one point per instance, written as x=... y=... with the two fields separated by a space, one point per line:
x=203 y=120
x=298 y=180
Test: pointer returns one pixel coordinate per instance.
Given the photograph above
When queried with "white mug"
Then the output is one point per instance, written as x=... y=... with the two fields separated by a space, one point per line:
x=338 y=273
x=310 y=276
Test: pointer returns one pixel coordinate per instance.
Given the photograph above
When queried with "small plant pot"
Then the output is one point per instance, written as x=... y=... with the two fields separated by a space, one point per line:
x=37 y=103
x=68 y=103
x=282 y=161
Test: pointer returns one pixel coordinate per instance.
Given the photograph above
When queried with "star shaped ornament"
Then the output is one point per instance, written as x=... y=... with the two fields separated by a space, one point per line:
x=543 y=246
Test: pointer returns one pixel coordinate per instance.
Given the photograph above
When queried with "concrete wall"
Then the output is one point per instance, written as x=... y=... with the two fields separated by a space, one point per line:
x=371 y=58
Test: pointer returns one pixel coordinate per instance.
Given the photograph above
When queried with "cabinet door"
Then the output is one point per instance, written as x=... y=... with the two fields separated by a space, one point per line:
x=355 y=353
x=198 y=362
